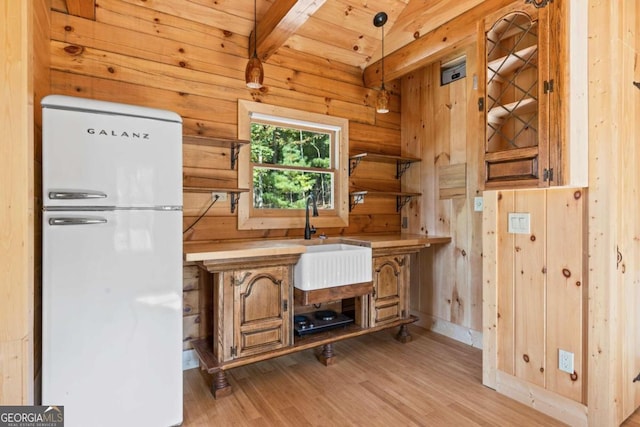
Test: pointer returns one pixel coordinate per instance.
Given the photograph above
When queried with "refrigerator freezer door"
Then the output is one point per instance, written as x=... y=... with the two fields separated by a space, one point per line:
x=101 y=159
x=112 y=317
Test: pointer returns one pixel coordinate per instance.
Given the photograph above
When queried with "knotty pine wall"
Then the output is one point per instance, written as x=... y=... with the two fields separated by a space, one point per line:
x=134 y=54
x=442 y=125
x=24 y=70
x=614 y=203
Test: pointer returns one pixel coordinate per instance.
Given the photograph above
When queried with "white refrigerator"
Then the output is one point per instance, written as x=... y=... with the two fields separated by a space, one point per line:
x=112 y=263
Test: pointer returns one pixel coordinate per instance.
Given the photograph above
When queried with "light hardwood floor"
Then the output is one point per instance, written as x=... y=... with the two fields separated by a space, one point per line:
x=377 y=381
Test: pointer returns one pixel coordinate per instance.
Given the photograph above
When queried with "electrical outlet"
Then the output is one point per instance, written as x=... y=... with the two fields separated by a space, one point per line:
x=222 y=196
x=565 y=361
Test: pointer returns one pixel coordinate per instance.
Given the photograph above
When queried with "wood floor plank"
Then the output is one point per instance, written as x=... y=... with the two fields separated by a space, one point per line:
x=377 y=381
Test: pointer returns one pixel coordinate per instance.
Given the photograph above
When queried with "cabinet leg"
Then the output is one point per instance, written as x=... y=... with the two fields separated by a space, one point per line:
x=404 y=336
x=220 y=386
x=327 y=356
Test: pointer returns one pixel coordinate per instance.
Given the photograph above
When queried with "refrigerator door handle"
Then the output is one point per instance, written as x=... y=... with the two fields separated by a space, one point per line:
x=67 y=195
x=76 y=221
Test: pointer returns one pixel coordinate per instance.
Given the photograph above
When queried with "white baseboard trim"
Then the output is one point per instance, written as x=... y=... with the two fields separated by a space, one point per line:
x=189 y=360
x=459 y=333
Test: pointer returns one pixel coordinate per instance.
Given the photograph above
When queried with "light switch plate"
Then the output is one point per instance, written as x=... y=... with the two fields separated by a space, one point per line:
x=478 y=204
x=519 y=223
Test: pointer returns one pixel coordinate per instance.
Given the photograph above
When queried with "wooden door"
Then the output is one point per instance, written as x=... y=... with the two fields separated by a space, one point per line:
x=540 y=290
x=388 y=297
x=261 y=310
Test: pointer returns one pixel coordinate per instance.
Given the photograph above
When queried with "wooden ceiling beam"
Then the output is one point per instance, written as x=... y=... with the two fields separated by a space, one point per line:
x=434 y=45
x=83 y=8
x=280 y=22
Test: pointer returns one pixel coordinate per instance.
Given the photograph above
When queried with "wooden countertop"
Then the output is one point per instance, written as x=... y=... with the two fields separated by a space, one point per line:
x=396 y=240
x=202 y=251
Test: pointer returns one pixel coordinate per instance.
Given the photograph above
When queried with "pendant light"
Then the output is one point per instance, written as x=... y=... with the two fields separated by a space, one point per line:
x=254 y=74
x=382 y=101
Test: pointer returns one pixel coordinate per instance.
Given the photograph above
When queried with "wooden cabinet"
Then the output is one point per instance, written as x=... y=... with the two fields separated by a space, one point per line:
x=260 y=309
x=518 y=149
x=388 y=299
x=252 y=313
x=253 y=302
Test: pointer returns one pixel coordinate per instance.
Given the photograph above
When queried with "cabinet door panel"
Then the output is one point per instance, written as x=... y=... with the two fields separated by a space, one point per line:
x=387 y=300
x=388 y=313
x=261 y=315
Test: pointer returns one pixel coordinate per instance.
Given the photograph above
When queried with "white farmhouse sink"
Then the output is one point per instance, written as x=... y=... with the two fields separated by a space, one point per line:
x=328 y=265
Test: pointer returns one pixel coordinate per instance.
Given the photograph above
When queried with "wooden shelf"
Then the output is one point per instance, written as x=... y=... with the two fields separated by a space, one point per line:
x=402 y=198
x=214 y=190
x=498 y=114
x=233 y=192
x=505 y=29
x=213 y=142
x=208 y=362
x=402 y=163
x=233 y=144
x=524 y=58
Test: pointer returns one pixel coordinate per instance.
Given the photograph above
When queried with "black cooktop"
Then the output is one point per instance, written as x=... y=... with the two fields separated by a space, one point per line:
x=318 y=321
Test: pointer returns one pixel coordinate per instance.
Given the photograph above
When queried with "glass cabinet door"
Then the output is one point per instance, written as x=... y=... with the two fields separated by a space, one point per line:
x=513 y=115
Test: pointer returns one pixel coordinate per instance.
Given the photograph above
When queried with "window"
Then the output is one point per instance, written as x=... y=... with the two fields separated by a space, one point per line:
x=293 y=154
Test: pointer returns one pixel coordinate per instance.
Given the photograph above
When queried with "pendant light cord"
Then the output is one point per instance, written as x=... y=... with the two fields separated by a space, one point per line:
x=255 y=28
x=382 y=56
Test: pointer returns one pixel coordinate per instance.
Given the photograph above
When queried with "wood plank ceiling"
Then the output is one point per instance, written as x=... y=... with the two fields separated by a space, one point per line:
x=338 y=30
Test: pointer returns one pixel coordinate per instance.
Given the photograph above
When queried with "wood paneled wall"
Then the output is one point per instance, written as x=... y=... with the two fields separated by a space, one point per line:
x=535 y=294
x=614 y=203
x=442 y=126
x=134 y=54
x=23 y=73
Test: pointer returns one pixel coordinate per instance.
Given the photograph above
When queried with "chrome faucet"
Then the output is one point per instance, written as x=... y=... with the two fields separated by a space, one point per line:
x=309 y=229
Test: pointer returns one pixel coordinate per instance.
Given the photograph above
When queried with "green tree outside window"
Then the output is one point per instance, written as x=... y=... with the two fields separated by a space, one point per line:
x=289 y=164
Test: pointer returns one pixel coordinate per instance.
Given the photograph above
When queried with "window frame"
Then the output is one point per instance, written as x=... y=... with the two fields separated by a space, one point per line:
x=260 y=219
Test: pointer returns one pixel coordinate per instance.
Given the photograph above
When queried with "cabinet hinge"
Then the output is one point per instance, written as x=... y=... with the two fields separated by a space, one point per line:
x=481 y=104
x=548 y=86
x=234 y=351
x=547 y=175
x=285 y=305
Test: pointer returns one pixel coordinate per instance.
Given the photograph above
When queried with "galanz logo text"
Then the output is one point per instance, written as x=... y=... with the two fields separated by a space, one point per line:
x=119 y=134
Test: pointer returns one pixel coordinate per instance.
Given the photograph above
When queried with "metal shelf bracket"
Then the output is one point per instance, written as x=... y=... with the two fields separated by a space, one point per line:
x=401 y=201
x=355 y=199
x=353 y=163
x=234 y=200
x=401 y=168
x=235 y=151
